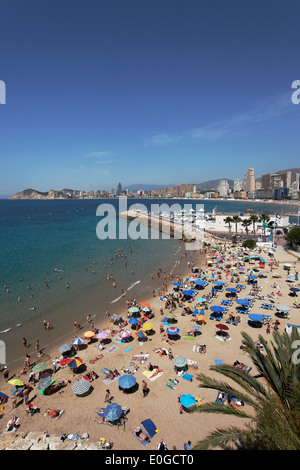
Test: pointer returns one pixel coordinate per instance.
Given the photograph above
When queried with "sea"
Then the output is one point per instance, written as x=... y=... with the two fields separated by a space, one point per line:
x=54 y=267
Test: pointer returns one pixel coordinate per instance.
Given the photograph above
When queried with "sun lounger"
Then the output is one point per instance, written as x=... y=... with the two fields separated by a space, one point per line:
x=266 y=306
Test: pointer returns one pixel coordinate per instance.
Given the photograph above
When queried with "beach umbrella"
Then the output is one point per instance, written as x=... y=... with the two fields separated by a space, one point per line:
x=75 y=362
x=147 y=326
x=115 y=317
x=145 y=304
x=113 y=411
x=81 y=386
x=78 y=341
x=170 y=315
x=218 y=283
x=89 y=334
x=39 y=367
x=134 y=310
x=124 y=334
x=283 y=308
x=217 y=309
x=178 y=284
x=140 y=334
x=294 y=289
x=200 y=283
x=179 y=361
x=252 y=277
x=256 y=317
x=65 y=348
x=244 y=302
x=231 y=289
x=196 y=327
x=102 y=335
x=16 y=382
x=127 y=381
x=220 y=326
x=45 y=383
x=201 y=299
x=187 y=400
x=172 y=330
x=133 y=321
x=146 y=309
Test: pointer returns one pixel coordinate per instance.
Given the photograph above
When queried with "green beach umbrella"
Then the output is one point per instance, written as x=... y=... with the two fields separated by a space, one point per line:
x=133 y=309
x=39 y=367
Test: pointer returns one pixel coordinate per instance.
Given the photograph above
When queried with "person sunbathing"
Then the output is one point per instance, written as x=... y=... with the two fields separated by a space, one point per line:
x=13 y=424
x=140 y=434
x=53 y=413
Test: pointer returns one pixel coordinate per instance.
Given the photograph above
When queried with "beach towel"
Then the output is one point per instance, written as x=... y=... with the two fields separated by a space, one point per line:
x=112 y=349
x=150 y=427
x=105 y=371
x=128 y=349
x=188 y=377
x=153 y=374
x=142 y=442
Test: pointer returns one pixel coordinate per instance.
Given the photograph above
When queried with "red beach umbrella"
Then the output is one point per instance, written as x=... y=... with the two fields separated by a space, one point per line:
x=220 y=326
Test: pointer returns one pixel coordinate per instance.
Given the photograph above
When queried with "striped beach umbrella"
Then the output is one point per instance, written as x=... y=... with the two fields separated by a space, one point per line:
x=179 y=361
x=172 y=330
x=78 y=341
x=39 y=367
x=140 y=335
x=124 y=334
x=81 y=386
x=75 y=362
x=146 y=309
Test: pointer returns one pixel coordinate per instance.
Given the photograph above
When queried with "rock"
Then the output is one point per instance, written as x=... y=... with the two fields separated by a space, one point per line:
x=19 y=444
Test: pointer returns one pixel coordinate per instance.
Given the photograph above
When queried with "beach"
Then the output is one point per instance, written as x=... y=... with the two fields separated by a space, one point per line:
x=174 y=425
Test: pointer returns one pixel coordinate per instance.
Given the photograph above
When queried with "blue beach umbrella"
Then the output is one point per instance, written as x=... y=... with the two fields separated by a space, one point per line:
x=251 y=277
x=201 y=299
x=177 y=284
x=127 y=381
x=294 y=289
x=113 y=411
x=217 y=308
x=196 y=327
x=244 y=302
x=282 y=308
x=133 y=321
x=200 y=283
x=218 y=283
x=189 y=292
x=78 y=341
x=231 y=289
x=256 y=317
x=187 y=400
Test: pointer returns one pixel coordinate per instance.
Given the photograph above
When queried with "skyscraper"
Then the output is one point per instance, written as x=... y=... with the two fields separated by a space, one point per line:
x=119 y=189
x=249 y=181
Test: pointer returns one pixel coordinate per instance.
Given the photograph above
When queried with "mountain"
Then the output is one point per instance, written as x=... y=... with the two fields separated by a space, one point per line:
x=33 y=194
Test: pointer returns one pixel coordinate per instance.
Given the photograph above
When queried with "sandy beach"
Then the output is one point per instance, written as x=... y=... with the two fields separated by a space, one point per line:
x=174 y=425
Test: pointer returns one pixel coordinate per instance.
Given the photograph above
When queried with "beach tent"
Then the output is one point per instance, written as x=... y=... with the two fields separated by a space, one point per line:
x=187 y=400
x=127 y=381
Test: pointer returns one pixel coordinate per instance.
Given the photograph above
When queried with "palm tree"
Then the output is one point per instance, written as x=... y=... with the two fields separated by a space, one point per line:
x=236 y=219
x=246 y=223
x=228 y=221
x=271 y=397
x=264 y=218
x=254 y=219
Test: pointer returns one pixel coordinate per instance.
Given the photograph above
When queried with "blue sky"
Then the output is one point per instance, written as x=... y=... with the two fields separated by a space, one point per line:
x=146 y=91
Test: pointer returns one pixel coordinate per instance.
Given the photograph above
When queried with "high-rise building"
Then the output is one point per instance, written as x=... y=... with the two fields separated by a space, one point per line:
x=119 y=189
x=223 y=188
x=249 y=181
x=237 y=185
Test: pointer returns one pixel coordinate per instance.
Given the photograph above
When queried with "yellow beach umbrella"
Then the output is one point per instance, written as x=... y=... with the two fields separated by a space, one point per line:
x=89 y=334
x=147 y=326
x=15 y=382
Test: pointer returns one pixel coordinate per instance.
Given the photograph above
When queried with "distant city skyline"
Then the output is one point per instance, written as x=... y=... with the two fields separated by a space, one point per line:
x=146 y=92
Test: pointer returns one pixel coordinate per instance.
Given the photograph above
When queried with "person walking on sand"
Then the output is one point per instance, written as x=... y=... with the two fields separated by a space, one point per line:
x=24 y=343
x=146 y=390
